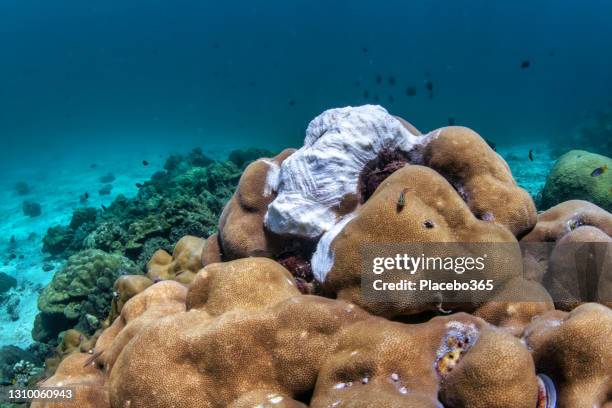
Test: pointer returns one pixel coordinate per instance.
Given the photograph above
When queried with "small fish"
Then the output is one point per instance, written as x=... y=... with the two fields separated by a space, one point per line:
x=401 y=201
x=145 y=163
x=85 y=196
x=138 y=185
x=411 y=91
x=491 y=144
x=391 y=99
x=93 y=165
x=551 y=53
x=291 y=102
x=599 y=171
x=366 y=94
x=392 y=80
x=429 y=87
x=378 y=79
x=104 y=208
x=93 y=357
x=525 y=64
x=376 y=98
x=451 y=121
x=531 y=155
x=364 y=50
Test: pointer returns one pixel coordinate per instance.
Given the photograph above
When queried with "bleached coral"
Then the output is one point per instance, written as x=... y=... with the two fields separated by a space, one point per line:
x=316 y=180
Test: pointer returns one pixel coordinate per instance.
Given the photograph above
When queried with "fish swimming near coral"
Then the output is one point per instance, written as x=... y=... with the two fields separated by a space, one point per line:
x=599 y=171
x=145 y=163
x=103 y=208
x=429 y=87
x=451 y=121
x=531 y=155
x=84 y=197
x=401 y=201
x=92 y=358
x=138 y=185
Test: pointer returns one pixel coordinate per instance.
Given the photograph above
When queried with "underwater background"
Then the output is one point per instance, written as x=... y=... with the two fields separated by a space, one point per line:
x=97 y=89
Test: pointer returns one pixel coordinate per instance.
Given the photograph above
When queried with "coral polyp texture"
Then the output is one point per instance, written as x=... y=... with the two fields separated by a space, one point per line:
x=270 y=312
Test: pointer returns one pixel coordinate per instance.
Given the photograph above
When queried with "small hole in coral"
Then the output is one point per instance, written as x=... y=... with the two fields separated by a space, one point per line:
x=429 y=224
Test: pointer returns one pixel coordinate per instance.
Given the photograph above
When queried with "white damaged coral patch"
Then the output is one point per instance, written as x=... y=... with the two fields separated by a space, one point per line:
x=315 y=179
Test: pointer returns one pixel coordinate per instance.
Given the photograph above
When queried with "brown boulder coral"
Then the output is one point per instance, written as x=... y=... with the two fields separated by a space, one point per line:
x=85 y=380
x=569 y=251
x=185 y=262
x=125 y=288
x=481 y=177
x=298 y=350
x=433 y=212
x=386 y=364
x=573 y=349
x=241 y=231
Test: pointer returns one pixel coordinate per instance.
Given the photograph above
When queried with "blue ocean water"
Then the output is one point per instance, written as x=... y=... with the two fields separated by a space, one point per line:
x=116 y=82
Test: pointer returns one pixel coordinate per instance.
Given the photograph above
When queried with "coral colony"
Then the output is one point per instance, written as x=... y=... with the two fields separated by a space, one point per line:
x=268 y=309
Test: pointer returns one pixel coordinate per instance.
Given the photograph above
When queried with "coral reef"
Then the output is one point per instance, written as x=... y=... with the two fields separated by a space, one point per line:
x=310 y=199
x=571 y=179
x=6 y=283
x=79 y=294
x=14 y=363
x=239 y=319
x=22 y=188
x=185 y=199
x=31 y=208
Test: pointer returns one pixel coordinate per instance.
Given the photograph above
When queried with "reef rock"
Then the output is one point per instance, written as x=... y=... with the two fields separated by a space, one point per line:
x=571 y=179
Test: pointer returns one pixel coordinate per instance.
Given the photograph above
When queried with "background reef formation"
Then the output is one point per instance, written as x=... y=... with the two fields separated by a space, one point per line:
x=185 y=198
x=257 y=294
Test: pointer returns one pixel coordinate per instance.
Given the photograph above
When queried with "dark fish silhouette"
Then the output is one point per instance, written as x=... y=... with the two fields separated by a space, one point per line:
x=392 y=80
x=364 y=50
x=429 y=87
x=599 y=171
x=411 y=91
x=93 y=165
x=391 y=99
x=491 y=144
x=366 y=94
x=138 y=185
x=378 y=79
x=145 y=163
x=401 y=200
x=451 y=121
x=376 y=98
x=104 y=208
x=291 y=102
x=84 y=197
x=525 y=64
x=531 y=155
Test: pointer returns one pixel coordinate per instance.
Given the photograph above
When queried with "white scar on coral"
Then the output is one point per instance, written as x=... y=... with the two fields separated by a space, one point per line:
x=314 y=180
